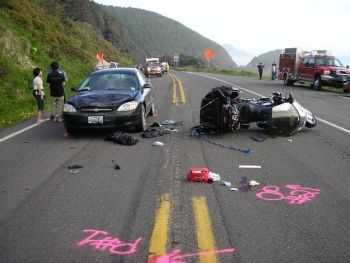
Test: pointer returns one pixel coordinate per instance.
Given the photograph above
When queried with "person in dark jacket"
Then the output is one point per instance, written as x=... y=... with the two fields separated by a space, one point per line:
x=56 y=80
x=260 y=69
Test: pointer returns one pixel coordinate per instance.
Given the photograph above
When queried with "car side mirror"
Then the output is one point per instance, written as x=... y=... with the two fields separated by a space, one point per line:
x=147 y=86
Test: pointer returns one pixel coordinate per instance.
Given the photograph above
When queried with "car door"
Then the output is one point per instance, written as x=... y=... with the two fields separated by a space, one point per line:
x=147 y=93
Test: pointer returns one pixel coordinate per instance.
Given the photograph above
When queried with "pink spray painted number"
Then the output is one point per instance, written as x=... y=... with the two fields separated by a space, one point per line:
x=175 y=257
x=297 y=196
x=101 y=240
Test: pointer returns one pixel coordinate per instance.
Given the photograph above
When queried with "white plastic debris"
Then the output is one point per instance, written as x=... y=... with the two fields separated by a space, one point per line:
x=214 y=176
x=253 y=183
x=74 y=171
x=158 y=143
x=234 y=189
x=227 y=183
x=250 y=166
x=290 y=140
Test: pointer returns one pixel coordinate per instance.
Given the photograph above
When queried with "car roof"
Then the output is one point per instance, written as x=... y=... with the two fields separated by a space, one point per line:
x=116 y=70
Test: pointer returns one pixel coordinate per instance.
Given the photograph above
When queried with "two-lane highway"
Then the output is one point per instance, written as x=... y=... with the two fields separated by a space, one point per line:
x=148 y=212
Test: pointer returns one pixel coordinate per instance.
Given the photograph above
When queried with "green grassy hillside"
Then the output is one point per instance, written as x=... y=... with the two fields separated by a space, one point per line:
x=33 y=36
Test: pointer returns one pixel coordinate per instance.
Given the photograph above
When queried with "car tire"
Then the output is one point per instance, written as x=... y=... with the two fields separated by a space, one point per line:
x=317 y=83
x=141 y=126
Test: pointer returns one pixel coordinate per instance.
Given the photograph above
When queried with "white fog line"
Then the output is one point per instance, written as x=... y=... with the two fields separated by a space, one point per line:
x=333 y=125
x=321 y=120
x=347 y=98
x=20 y=131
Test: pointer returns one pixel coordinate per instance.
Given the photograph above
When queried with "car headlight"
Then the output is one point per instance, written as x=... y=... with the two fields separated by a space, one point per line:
x=68 y=108
x=128 y=106
x=326 y=72
x=148 y=69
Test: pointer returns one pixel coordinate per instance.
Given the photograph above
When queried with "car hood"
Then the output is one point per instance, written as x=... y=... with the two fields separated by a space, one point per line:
x=101 y=99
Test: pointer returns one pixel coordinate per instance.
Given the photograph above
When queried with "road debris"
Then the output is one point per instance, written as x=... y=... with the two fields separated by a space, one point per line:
x=227 y=183
x=122 y=138
x=250 y=166
x=258 y=138
x=157 y=143
x=75 y=166
x=214 y=176
x=199 y=174
x=253 y=183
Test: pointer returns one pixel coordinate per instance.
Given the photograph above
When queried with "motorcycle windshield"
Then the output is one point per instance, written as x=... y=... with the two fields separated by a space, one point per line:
x=285 y=118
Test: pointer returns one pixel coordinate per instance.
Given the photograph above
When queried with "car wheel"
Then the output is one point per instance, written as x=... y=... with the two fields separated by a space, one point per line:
x=317 y=83
x=141 y=126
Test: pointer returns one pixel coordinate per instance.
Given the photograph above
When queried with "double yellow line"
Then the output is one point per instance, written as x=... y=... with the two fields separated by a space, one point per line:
x=177 y=84
x=205 y=237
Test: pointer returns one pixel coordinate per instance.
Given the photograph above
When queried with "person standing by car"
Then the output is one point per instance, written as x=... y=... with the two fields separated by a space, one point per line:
x=56 y=80
x=274 y=71
x=38 y=92
x=65 y=83
x=260 y=69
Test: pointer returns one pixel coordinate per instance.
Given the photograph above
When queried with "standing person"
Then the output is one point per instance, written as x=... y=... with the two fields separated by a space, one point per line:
x=56 y=82
x=66 y=79
x=38 y=92
x=260 y=69
x=274 y=71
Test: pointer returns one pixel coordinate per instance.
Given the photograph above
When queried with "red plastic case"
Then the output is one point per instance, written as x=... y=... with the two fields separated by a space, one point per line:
x=199 y=174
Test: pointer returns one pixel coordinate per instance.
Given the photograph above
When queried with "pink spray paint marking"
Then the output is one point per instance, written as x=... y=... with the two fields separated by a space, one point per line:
x=101 y=241
x=298 y=195
x=174 y=257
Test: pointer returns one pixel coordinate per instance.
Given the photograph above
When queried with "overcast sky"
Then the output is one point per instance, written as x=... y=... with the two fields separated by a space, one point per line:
x=260 y=26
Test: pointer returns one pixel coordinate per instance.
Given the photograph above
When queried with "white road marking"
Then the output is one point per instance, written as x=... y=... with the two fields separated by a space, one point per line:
x=20 y=131
x=236 y=86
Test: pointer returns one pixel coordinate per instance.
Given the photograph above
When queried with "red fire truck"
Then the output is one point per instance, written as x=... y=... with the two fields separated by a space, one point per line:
x=315 y=67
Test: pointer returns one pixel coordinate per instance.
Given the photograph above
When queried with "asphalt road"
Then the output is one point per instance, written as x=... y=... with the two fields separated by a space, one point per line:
x=148 y=208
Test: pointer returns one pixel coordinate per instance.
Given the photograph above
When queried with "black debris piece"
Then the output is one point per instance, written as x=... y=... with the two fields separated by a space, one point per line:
x=244 y=184
x=155 y=124
x=75 y=166
x=117 y=167
x=122 y=138
x=150 y=133
x=258 y=138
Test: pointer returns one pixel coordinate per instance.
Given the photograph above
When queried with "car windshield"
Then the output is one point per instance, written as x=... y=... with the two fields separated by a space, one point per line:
x=329 y=62
x=110 y=81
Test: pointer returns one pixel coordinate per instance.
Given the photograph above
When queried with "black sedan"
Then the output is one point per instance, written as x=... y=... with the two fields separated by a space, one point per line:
x=117 y=99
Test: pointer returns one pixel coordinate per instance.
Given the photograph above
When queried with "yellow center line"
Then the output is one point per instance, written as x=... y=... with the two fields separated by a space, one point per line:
x=181 y=89
x=205 y=237
x=159 y=237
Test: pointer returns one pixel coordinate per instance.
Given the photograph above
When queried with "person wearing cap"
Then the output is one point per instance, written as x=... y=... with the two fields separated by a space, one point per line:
x=260 y=69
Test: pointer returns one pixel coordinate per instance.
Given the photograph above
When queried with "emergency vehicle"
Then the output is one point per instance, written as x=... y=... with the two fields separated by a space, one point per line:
x=317 y=68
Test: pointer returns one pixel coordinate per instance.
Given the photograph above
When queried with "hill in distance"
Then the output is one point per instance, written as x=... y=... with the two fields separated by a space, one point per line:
x=159 y=36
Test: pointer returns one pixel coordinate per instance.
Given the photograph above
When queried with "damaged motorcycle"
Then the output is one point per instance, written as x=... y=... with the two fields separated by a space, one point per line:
x=223 y=110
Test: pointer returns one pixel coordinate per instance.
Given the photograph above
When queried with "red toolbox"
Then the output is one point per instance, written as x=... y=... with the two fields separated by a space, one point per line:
x=199 y=174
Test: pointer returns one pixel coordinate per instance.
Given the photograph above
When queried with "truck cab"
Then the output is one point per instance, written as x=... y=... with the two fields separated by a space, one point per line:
x=316 y=68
